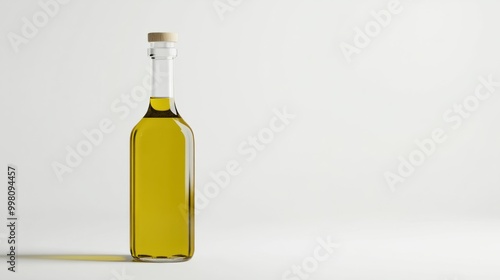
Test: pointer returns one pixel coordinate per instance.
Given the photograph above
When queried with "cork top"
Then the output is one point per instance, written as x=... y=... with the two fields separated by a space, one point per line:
x=162 y=37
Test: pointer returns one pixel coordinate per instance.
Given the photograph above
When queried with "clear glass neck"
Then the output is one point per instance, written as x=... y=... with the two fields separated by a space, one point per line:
x=162 y=55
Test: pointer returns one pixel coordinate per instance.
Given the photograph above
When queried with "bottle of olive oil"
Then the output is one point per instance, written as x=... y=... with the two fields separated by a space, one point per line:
x=162 y=168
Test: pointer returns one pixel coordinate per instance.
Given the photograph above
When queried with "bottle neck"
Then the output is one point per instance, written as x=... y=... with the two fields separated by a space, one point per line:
x=162 y=78
x=162 y=55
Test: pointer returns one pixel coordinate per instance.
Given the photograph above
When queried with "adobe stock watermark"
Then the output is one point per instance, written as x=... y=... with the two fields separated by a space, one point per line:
x=221 y=7
x=249 y=148
x=372 y=29
x=121 y=275
x=31 y=26
x=93 y=137
x=323 y=251
x=454 y=117
x=12 y=217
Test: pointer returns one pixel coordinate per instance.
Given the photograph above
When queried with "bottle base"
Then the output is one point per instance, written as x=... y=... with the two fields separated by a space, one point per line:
x=161 y=259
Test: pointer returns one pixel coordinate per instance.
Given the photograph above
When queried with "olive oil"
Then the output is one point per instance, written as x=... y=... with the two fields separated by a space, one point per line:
x=162 y=171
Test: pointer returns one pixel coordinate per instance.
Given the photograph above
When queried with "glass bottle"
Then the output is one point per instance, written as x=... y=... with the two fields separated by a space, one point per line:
x=162 y=168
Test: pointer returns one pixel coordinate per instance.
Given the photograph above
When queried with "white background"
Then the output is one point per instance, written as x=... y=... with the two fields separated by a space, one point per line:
x=322 y=176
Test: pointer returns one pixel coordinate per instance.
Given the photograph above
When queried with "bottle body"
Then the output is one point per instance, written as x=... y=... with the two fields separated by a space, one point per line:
x=162 y=185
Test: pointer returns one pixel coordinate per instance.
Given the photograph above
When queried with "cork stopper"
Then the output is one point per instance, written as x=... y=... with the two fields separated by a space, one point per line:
x=162 y=37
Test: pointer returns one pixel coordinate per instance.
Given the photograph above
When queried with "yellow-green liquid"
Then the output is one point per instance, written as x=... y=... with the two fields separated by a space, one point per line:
x=162 y=185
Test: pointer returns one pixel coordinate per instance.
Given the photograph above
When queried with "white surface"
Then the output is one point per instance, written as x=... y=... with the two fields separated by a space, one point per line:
x=322 y=175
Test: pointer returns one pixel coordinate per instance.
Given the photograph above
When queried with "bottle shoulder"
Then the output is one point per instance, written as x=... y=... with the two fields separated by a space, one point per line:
x=183 y=123
x=172 y=125
x=162 y=115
